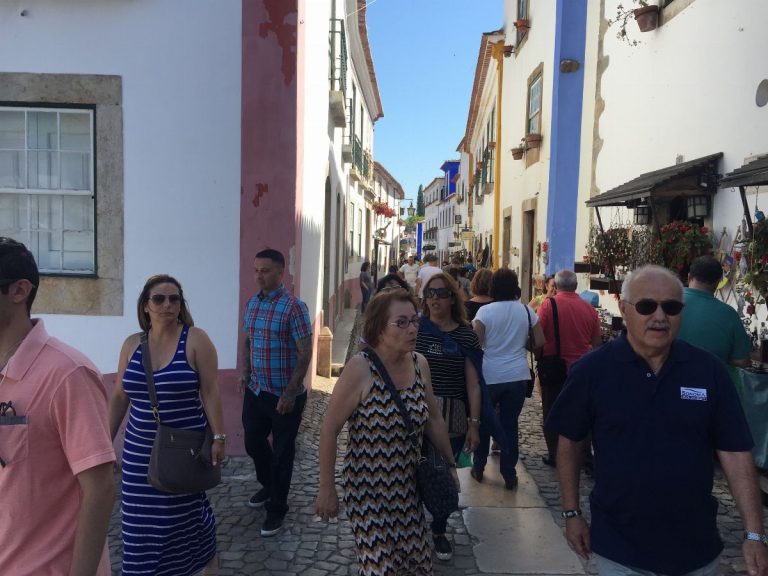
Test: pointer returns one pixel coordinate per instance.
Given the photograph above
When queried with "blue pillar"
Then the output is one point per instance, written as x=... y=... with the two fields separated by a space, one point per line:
x=565 y=134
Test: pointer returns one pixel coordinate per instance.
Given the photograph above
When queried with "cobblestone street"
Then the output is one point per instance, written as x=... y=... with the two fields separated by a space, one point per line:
x=309 y=547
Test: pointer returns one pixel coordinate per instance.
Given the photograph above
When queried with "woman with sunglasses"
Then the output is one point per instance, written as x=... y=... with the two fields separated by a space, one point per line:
x=382 y=502
x=502 y=327
x=166 y=533
x=443 y=331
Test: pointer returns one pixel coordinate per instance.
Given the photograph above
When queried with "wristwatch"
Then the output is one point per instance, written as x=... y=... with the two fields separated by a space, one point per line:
x=570 y=513
x=757 y=537
x=219 y=437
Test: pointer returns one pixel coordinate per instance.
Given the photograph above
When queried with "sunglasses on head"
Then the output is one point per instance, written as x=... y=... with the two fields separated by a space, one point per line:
x=437 y=293
x=646 y=306
x=160 y=298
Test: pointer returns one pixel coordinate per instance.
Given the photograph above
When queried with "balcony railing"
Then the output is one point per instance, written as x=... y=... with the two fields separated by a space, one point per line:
x=337 y=54
x=361 y=159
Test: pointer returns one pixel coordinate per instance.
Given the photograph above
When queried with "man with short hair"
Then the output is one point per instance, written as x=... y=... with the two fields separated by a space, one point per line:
x=578 y=332
x=409 y=272
x=657 y=408
x=56 y=456
x=710 y=323
x=276 y=353
x=425 y=273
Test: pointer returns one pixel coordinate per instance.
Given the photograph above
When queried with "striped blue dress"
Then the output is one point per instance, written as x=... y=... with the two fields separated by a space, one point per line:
x=163 y=534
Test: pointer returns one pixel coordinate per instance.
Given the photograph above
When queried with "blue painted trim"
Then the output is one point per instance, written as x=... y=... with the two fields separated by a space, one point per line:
x=565 y=134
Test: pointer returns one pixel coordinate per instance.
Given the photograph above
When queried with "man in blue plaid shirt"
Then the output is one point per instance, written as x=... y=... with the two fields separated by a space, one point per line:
x=276 y=353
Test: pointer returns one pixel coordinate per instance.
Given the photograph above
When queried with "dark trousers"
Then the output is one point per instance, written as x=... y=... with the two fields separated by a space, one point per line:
x=274 y=464
x=509 y=397
x=439 y=525
x=549 y=393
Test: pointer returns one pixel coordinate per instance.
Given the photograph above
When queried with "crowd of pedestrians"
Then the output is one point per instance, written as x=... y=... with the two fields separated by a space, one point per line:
x=654 y=408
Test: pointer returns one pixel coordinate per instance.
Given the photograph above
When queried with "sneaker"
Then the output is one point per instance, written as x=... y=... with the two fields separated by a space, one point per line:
x=259 y=499
x=272 y=525
x=443 y=548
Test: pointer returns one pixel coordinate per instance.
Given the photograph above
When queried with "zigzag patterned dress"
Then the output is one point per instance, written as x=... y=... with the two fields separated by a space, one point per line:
x=163 y=534
x=379 y=482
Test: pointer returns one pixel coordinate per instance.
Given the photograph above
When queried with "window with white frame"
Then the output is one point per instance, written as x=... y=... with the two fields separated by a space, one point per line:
x=47 y=185
x=534 y=105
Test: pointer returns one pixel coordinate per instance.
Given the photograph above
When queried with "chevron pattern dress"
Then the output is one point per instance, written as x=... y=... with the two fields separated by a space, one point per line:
x=163 y=534
x=379 y=483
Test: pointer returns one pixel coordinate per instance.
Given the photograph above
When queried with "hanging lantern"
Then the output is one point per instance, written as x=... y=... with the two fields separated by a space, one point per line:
x=698 y=206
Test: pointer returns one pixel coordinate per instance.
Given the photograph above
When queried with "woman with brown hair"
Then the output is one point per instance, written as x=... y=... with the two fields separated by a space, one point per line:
x=166 y=533
x=480 y=290
x=382 y=502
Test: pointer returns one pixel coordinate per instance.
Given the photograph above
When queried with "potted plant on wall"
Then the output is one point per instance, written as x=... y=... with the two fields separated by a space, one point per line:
x=532 y=140
x=680 y=242
x=756 y=259
x=646 y=15
x=522 y=24
x=518 y=151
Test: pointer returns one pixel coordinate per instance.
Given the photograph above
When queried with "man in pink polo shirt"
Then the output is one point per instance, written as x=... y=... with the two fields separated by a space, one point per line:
x=56 y=456
x=579 y=331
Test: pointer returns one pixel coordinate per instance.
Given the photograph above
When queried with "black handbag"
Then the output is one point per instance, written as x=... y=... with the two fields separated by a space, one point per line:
x=529 y=346
x=553 y=369
x=434 y=480
x=180 y=461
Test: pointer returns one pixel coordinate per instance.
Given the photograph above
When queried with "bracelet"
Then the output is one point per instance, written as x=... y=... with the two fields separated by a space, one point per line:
x=219 y=437
x=473 y=420
x=570 y=513
x=755 y=536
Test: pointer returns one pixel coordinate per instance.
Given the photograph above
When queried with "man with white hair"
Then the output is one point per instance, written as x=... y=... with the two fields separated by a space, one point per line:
x=656 y=407
x=571 y=329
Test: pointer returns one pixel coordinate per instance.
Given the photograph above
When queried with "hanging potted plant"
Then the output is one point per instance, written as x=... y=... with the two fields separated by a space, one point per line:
x=680 y=242
x=381 y=208
x=610 y=250
x=756 y=258
x=532 y=140
x=646 y=16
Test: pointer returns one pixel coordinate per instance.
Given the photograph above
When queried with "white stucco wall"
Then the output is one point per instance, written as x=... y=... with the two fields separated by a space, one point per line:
x=180 y=70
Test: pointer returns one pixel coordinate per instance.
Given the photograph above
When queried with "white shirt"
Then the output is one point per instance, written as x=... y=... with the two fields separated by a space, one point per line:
x=506 y=331
x=425 y=273
x=410 y=273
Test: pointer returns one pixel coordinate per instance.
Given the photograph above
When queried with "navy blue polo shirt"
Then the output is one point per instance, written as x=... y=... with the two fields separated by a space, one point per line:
x=653 y=435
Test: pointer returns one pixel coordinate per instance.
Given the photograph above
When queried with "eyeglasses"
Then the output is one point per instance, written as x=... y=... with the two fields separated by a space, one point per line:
x=159 y=299
x=437 y=293
x=646 y=306
x=7 y=409
x=402 y=323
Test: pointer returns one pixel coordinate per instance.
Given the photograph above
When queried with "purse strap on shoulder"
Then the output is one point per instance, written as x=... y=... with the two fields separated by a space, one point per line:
x=557 y=326
x=146 y=360
x=395 y=396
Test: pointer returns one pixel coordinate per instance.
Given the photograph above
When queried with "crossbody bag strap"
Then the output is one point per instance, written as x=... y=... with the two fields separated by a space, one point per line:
x=530 y=336
x=557 y=326
x=395 y=396
x=147 y=362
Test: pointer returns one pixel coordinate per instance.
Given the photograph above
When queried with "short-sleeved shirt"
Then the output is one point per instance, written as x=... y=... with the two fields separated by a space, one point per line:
x=506 y=331
x=653 y=435
x=714 y=326
x=61 y=395
x=274 y=323
x=578 y=324
x=447 y=366
x=410 y=273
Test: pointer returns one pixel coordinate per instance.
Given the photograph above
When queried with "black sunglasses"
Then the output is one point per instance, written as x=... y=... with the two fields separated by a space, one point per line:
x=160 y=298
x=437 y=293
x=646 y=306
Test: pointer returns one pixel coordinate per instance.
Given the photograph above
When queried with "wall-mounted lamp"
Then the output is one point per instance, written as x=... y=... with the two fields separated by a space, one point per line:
x=698 y=206
x=642 y=214
x=411 y=210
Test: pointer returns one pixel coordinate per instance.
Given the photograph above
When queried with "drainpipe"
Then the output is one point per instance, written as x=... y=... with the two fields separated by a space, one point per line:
x=498 y=53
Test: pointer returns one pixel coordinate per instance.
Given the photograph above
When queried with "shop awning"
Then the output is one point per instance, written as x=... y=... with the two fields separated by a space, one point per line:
x=690 y=178
x=754 y=173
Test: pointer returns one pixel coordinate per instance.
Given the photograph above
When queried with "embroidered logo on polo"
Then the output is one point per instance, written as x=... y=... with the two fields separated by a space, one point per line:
x=693 y=394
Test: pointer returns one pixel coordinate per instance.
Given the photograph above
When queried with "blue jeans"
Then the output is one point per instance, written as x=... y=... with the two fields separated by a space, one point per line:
x=607 y=567
x=509 y=397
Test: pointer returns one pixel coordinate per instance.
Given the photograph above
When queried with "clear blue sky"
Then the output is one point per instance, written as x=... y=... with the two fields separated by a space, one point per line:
x=425 y=52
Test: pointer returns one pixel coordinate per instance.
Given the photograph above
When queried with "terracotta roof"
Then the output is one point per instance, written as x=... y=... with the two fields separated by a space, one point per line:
x=362 y=25
x=665 y=181
x=754 y=173
x=385 y=175
x=481 y=72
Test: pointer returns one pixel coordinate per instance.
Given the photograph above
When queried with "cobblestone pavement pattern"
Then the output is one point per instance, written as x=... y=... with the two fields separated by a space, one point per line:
x=310 y=547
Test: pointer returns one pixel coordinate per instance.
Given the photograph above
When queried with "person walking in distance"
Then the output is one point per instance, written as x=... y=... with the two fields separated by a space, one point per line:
x=276 y=353
x=409 y=272
x=56 y=457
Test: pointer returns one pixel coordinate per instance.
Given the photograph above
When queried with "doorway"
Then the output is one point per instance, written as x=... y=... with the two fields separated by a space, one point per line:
x=526 y=260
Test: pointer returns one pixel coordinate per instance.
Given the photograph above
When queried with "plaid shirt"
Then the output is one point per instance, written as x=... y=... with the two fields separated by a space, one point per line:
x=274 y=322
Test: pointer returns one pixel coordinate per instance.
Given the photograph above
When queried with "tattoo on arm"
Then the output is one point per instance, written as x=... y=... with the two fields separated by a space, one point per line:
x=303 y=359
